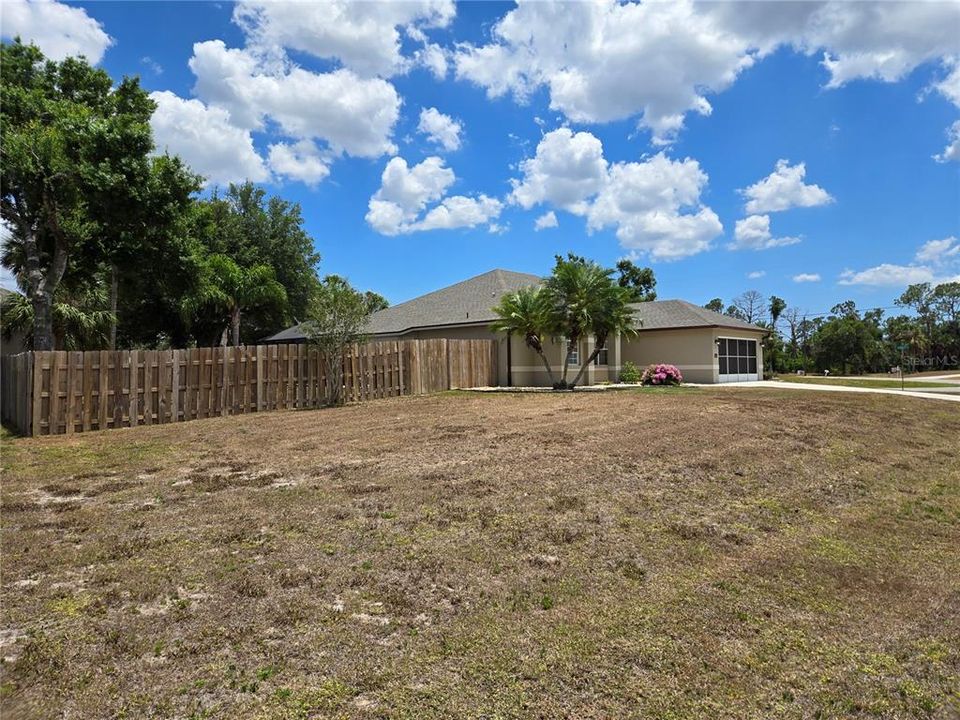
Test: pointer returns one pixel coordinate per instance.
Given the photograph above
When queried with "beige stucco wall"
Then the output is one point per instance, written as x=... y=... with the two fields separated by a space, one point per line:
x=693 y=350
x=528 y=368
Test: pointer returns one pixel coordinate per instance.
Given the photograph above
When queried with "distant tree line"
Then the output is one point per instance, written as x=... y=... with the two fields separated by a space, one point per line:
x=848 y=340
x=111 y=244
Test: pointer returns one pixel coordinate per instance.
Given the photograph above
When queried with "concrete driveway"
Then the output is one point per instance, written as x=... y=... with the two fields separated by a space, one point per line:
x=949 y=394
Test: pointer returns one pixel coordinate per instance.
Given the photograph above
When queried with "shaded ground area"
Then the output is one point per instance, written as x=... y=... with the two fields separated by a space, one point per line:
x=765 y=554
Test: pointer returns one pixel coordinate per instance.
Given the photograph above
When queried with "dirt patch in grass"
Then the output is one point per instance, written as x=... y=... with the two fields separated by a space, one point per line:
x=671 y=555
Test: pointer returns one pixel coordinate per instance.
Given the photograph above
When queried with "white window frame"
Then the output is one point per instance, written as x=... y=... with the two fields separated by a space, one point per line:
x=602 y=353
x=573 y=352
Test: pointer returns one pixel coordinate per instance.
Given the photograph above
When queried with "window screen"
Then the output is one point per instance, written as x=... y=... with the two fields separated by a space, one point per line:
x=737 y=356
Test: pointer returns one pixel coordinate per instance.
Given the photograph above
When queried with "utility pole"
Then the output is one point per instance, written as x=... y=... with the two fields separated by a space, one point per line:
x=902 y=347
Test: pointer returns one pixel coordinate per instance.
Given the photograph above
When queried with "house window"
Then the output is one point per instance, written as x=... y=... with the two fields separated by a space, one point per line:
x=601 y=358
x=573 y=353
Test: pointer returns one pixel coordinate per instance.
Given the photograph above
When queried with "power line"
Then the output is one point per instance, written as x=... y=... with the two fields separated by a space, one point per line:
x=808 y=315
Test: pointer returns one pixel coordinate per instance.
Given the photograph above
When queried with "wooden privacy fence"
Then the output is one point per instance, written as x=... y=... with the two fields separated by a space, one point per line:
x=57 y=392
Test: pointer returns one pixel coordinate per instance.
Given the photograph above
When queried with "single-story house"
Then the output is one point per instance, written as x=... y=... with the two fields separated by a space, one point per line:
x=707 y=347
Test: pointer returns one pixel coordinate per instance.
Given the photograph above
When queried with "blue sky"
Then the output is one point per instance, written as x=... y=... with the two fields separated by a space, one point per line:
x=829 y=132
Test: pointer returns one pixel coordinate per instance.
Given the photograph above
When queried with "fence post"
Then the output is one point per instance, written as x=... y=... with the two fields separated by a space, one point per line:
x=175 y=386
x=37 y=400
x=398 y=346
x=27 y=417
x=87 y=391
x=259 y=360
x=446 y=354
x=134 y=388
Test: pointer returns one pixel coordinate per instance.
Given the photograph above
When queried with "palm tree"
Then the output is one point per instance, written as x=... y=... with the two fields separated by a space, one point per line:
x=524 y=313
x=611 y=315
x=232 y=289
x=777 y=306
x=581 y=296
x=81 y=320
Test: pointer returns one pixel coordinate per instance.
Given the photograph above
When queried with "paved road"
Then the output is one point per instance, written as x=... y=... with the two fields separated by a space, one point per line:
x=928 y=394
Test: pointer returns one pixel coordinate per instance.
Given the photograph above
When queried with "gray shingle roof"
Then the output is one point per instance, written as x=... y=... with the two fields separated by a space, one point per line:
x=664 y=314
x=472 y=301
x=291 y=334
x=469 y=301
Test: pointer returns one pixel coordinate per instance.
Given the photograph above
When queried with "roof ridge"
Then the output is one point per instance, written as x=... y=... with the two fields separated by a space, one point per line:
x=497 y=273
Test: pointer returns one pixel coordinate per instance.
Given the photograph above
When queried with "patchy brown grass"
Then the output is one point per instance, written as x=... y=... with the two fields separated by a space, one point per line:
x=764 y=554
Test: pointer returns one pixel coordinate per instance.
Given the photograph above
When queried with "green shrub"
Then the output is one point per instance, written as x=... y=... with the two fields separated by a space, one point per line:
x=629 y=373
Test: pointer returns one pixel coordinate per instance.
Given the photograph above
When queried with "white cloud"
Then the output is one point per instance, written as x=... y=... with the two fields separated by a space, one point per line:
x=935 y=262
x=459 y=211
x=351 y=114
x=363 y=36
x=756 y=274
x=939 y=251
x=298 y=161
x=784 y=189
x=58 y=30
x=587 y=55
x=311 y=118
x=567 y=169
x=385 y=217
x=887 y=275
x=952 y=150
x=412 y=188
x=949 y=86
x=753 y=233
x=433 y=58
x=547 y=220
x=204 y=137
x=880 y=41
x=806 y=278
x=406 y=192
x=655 y=207
x=152 y=65
x=439 y=128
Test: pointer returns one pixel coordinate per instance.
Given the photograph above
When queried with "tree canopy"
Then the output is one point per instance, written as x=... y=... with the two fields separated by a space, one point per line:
x=336 y=319
x=848 y=340
x=101 y=229
x=640 y=281
x=74 y=149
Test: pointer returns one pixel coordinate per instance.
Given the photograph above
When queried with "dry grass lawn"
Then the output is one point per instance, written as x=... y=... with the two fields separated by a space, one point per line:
x=665 y=554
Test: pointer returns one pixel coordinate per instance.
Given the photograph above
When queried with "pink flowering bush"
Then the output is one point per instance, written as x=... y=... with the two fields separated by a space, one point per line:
x=661 y=374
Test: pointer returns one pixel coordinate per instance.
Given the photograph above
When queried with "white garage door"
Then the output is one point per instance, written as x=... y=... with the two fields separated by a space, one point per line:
x=738 y=360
